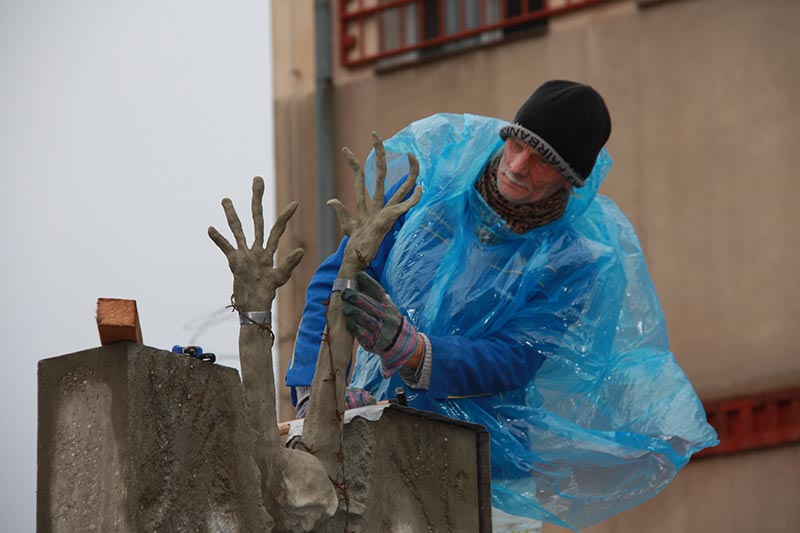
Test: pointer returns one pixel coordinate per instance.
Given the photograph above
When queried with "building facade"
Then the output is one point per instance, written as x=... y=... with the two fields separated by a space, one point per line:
x=702 y=95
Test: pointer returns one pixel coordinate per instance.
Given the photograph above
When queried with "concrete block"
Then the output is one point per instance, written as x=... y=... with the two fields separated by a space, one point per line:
x=415 y=471
x=137 y=439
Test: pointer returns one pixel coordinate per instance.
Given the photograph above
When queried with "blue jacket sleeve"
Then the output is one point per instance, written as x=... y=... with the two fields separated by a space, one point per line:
x=474 y=367
x=312 y=325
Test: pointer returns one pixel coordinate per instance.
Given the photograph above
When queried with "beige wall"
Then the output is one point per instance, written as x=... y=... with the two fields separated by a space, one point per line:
x=703 y=96
x=704 y=141
x=293 y=70
x=754 y=492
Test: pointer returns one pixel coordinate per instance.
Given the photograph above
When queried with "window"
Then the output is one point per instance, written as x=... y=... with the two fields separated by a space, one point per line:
x=400 y=31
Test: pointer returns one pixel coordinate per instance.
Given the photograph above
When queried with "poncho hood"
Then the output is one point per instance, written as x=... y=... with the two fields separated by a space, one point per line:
x=454 y=149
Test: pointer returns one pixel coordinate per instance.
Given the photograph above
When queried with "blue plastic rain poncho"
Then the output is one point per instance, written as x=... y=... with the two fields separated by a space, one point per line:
x=554 y=339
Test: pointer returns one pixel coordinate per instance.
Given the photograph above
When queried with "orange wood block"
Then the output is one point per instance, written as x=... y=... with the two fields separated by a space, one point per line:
x=118 y=320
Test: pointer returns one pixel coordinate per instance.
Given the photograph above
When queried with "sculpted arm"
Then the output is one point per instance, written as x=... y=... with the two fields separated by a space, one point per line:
x=365 y=231
x=255 y=281
x=295 y=487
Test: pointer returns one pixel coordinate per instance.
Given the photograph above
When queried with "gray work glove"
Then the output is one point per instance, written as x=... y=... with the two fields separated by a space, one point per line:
x=378 y=325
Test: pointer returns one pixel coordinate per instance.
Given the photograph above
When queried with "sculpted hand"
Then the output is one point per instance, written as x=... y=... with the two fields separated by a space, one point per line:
x=255 y=280
x=371 y=224
x=378 y=325
x=323 y=428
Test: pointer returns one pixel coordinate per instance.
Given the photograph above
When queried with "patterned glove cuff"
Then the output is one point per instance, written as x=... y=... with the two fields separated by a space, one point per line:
x=355 y=397
x=421 y=379
x=405 y=344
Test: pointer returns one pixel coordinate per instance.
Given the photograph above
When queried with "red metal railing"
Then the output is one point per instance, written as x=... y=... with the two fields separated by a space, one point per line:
x=753 y=422
x=365 y=24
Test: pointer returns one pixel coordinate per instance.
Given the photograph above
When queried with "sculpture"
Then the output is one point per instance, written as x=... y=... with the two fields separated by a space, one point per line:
x=299 y=486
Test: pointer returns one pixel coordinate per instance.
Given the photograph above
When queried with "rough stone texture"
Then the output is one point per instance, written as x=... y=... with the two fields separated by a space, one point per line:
x=137 y=439
x=413 y=471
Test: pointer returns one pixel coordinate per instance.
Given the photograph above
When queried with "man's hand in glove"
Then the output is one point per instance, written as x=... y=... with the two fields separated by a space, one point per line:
x=379 y=326
x=353 y=398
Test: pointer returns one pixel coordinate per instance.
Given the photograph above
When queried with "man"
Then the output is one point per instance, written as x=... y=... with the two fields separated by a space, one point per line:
x=520 y=301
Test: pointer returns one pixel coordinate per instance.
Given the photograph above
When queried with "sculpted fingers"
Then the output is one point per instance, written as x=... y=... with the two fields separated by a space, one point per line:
x=358 y=172
x=257 y=207
x=380 y=168
x=345 y=220
x=409 y=183
x=279 y=227
x=289 y=263
x=413 y=200
x=234 y=223
x=395 y=211
x=413 y=167
x=220 y=241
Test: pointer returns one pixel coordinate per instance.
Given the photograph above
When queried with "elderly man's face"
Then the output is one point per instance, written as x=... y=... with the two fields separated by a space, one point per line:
x=524 y=177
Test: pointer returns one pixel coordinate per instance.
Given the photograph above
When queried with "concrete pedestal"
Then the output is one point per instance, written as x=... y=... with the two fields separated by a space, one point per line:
x=137 y=439
x=415 y=471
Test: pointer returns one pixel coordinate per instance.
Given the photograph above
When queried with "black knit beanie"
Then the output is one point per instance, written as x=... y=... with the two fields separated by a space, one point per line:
x=568 y=123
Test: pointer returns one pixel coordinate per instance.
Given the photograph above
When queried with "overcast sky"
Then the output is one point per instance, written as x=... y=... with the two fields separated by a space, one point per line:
x=122 y=125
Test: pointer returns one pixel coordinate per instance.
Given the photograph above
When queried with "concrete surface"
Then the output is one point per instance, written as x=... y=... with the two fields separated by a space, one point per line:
x=718 y=494
x=415 y=471
x=137 y=439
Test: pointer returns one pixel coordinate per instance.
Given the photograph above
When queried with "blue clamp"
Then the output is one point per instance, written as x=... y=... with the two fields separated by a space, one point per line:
x=194 y=351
